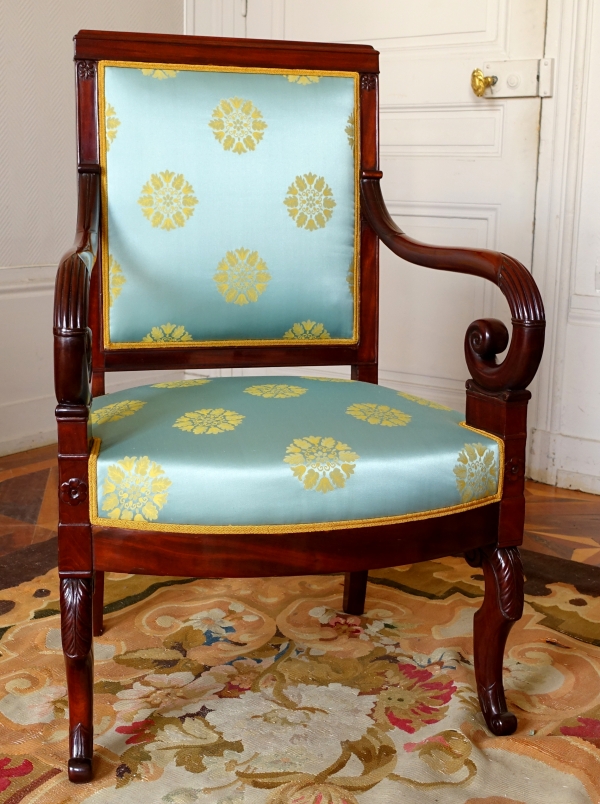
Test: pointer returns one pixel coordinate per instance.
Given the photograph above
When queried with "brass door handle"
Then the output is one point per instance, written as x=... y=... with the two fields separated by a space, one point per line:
x=480 y=82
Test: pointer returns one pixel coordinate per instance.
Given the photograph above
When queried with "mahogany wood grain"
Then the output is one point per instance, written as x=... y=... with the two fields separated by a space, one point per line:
x=233 y=52
x=496 y=399
x=257 y=555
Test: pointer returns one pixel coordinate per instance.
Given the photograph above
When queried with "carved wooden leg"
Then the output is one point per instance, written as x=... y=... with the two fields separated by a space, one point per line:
x=355 y=590
x=502 y=606
x=98 y=603
x=76 y=629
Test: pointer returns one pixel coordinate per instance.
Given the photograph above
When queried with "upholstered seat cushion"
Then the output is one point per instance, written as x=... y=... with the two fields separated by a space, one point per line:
x=282 y=454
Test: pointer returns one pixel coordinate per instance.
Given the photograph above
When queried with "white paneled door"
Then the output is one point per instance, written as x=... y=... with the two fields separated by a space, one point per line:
x=458 y=169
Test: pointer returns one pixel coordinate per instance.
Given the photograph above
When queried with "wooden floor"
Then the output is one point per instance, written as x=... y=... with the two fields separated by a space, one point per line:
x=559 y=522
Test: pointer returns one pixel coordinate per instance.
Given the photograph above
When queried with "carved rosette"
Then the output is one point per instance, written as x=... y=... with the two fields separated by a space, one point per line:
x=73 y=491
x=86 y=70
x=76 y=616
x=515 y=469
x=368 y=82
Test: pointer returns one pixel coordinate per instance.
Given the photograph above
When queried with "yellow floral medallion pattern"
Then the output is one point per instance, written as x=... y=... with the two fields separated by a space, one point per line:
x=209 y=421
x=242 y=276
x=135 y=489
x=350 y=273
x=238 y=125
x=167 y=333
x=350 y=130
x=159 y=74
x=303 y=80
x=112 y=124
x=180 y=383
x=379 y=414
x=271 y=391
x=116 y=411
x=307 y=331
x=420 y=401
x=167 y=200
x=476 y=472
x=322 y=464
x=116 y=280
x=310 y=201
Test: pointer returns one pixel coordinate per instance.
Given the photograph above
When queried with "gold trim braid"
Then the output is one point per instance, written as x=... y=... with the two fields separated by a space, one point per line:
x=110 y=345
x=309 y=527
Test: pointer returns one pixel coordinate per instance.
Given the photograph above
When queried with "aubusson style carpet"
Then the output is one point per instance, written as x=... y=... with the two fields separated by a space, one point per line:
x=252 y=691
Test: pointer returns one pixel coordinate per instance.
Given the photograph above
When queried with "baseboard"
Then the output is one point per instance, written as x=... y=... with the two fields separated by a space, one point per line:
x=446 y=392
x=565 y=461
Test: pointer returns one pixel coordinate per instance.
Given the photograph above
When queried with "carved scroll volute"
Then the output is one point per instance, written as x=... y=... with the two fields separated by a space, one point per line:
x=76 y=616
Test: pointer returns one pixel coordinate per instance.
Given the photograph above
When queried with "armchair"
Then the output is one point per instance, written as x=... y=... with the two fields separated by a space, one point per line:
x=229 y=216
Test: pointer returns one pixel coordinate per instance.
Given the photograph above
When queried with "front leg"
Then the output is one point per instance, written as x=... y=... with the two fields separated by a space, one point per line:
x=76 y=631
x=502 y=607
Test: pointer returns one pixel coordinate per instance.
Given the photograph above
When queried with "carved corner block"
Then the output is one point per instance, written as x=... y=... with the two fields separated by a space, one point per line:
x=86 y=70
x=368 y=82
x=74 y=491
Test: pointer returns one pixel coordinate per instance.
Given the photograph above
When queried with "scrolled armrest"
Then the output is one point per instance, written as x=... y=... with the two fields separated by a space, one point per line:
x=485 y=338
x=72 y=337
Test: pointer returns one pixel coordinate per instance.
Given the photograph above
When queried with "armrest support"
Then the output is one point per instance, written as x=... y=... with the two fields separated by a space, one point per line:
x=72 y=337
x=485 y=338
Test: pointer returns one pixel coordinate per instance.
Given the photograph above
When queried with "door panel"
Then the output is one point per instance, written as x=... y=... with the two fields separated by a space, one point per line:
x=458 y=170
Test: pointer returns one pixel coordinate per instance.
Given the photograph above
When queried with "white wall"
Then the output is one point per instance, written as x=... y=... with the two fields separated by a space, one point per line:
x=38 y=191
x=566 y=439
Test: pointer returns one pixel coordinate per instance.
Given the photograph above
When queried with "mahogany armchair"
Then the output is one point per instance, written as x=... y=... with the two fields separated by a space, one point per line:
x=229 y=216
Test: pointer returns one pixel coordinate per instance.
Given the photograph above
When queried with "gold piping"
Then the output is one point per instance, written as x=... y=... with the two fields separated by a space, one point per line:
x=110 y=345
x=309 y=527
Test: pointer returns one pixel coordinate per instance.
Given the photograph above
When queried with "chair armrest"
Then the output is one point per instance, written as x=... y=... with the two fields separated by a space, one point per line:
x=485 y=338
x=72 y=337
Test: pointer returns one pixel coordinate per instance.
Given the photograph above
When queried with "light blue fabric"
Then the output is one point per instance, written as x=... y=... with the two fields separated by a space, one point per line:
x=161 y=127
x=392 y=455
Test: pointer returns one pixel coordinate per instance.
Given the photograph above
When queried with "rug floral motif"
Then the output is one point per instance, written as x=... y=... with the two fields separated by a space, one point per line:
x=265 y=692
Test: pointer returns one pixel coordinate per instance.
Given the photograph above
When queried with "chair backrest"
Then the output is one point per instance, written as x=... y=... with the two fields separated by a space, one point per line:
x=230 y=224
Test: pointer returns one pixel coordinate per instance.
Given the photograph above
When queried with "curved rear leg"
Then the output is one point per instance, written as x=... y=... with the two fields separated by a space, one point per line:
x=76 y=631
x=502 y=607
x=355 y=591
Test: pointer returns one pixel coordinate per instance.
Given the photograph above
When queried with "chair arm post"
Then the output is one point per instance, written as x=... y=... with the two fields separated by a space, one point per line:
x=72 y=371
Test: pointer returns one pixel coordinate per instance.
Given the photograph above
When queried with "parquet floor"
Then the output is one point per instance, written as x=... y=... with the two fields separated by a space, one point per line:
x=560 y=523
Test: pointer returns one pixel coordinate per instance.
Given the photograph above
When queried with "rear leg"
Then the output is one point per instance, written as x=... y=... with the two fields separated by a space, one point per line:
x=355 y=591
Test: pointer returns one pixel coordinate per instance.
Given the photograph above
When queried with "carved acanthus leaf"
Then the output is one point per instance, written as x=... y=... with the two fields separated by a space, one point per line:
x=508 y=571
x=76 y=616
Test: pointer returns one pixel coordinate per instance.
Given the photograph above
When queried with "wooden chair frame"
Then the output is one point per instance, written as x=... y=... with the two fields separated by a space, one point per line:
x=496 y=401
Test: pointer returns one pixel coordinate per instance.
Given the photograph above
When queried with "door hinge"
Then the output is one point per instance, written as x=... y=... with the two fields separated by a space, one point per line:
x=524 y=78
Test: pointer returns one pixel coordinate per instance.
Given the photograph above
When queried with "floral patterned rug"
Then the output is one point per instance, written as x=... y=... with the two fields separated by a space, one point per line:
x=264 y=692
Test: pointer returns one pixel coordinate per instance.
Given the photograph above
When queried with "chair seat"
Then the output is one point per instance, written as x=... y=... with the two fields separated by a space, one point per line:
x=282 y=454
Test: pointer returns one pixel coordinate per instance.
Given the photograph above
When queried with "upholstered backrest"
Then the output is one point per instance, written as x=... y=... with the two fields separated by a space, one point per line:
x=229 y=205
